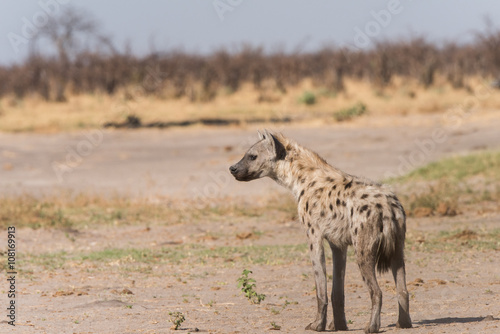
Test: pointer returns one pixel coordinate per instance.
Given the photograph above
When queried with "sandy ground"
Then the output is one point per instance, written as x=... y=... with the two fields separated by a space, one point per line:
x=455 y=291
x=194 y=162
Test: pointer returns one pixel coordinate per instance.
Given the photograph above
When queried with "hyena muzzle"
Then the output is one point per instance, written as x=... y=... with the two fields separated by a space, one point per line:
x=343 y=210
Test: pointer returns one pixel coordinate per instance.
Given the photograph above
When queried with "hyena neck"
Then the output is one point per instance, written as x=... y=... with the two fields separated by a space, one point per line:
x=301 y=167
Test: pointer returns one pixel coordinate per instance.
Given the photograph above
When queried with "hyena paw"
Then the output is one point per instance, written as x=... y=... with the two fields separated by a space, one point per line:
x=372 y=329
x=337 y=327
x=317 y=326
x=404 y=324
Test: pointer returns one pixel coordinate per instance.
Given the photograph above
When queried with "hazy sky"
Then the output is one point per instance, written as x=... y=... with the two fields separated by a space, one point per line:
x=205 y=25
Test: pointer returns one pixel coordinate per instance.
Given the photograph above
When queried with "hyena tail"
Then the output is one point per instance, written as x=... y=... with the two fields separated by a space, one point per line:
x=391 y=239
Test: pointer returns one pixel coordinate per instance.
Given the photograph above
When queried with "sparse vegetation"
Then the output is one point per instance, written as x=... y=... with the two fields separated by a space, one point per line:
x=247 y=286
x=450 y=185
x=176 y=318
x=72 y=212
x=350 y=113
x=275 y=327
x=308 y=98
x=106 y=85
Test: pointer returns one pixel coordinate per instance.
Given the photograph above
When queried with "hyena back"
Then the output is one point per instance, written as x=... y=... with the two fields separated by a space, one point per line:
x=343 y=209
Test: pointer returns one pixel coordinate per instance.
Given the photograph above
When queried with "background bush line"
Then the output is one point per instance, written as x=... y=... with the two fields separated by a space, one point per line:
x=176 y=74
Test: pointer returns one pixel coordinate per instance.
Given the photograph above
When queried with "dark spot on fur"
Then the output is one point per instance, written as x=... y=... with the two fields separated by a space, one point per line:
x=334 y=215
x=355 y=231
x=363 y=208
x=352 y=211
x=378 y=206
x=334 y=187
x=338 y=202
x=368 y=213
x=395 y=205
x=393 y=197
x=312 y=184
x=338 y=193
x=303 y=180
x=322 y=214
x=301 y=193
x=344 y=203
x=361 y=226
x=311 y=247
x=330 y=193
x=331 y=207
x=380 y=225
x=329 y=179
x=378 y=195
x=312 y=231
x=362 y=253
x=318 y=191
x=364 y=196
x=364 y=279
x=308 y=224
x=307 y=206
x=347 y=186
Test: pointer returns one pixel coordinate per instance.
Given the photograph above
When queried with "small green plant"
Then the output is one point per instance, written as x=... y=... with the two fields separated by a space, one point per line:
x=308 y=98
x=275 y=327
x=349 y=113
x=128 y=306
x=247 y=286
x=177 y=318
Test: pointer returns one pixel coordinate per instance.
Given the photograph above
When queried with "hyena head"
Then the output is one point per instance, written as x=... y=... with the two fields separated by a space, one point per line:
x=260 y=160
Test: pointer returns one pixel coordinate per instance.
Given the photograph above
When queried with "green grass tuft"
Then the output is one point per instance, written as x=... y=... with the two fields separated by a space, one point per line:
x=350 y=113
x=308 y=98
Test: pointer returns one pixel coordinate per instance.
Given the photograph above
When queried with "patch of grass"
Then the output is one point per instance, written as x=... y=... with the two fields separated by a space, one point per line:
x=133 y=259
x=457 y=241
x=457 y=182
x=70 y=212
x=308 y=98
x=349 y=113
x=458 y=168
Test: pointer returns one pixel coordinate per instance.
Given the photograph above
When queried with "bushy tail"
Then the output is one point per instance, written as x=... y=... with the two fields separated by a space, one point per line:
x=391 y=238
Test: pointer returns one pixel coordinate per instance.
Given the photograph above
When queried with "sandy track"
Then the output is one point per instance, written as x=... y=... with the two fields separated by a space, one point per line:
x=194 y=162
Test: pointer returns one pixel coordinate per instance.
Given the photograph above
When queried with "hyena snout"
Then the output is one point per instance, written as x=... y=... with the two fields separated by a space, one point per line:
x=241 y=172
x=233 y=169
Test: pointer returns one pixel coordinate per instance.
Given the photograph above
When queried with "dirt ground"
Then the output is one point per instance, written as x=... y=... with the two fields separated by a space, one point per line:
x=193 y=268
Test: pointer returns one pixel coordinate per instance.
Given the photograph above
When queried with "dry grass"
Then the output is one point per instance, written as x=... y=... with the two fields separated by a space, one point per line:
x=402 y=97
x=69 y=212
x=453 y=185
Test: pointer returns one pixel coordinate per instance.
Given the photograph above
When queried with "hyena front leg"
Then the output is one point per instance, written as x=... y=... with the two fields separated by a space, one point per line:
x=317 y=253
x=338 y=299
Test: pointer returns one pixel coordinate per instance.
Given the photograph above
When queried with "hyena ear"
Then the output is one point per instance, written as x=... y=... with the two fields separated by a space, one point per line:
x=278 y=147
x=261 y=135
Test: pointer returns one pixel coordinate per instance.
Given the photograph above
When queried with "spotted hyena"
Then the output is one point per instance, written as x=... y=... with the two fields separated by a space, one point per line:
x=343 y=209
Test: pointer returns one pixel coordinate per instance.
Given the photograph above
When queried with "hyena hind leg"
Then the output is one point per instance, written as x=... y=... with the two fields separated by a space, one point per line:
x=367 y=267
x=399 y=273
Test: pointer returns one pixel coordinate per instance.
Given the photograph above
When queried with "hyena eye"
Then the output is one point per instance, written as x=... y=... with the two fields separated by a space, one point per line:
x=252 y=157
